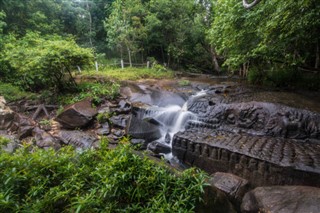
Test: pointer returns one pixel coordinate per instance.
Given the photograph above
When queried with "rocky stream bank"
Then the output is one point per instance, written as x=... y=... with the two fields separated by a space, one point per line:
x=261 y=151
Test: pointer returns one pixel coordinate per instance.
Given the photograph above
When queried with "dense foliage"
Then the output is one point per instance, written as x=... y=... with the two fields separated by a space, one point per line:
x=93 y=181
x=275 y=41
x=43 y=62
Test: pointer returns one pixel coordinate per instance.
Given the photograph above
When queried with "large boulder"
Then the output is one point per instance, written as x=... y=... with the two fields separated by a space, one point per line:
x=140 y=128
x=282 y=199
x=25 y=126
x=6 y=115
x=77 y=115
x=234 y=186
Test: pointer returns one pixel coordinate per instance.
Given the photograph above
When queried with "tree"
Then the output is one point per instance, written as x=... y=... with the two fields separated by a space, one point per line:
x=44 y=62
x=277 y=35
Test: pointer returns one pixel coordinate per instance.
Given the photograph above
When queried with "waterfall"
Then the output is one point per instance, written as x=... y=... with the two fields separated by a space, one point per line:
x=172 y=118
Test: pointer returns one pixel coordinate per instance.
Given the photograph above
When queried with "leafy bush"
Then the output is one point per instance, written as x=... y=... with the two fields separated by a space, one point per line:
x=12 y=93
x=96 y=91
x=93 y=181
x=44 y=62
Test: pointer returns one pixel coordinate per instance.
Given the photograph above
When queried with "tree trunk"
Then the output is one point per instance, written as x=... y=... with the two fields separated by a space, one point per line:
x=129 y=55
x=317 y=55
x=214 y=59
x=90 y=25
x=250 y=5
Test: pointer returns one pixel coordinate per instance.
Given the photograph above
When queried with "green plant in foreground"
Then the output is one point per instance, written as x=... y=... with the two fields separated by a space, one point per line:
x=100 y=180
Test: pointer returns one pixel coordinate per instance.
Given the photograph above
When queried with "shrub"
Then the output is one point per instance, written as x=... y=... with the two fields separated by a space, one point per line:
x=93 y=181
x=13 y=93
x=44 y=62
x=96 y=91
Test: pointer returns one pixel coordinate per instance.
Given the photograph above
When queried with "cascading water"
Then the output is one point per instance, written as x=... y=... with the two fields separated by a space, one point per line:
x=172 y=119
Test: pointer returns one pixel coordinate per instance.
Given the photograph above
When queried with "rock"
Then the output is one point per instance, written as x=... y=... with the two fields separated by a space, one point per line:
x=125 y=92
x=120 y=121
x=282 y=199
x=104 y=109
x=104 y=130
x=118 y=132
x=141 y=129
x=44 y=139
x=77 y=138
x=12 y=145
x=234 y=186
x=158 y=147
x=6 y=115
x=77 y=115
x=214 y=201
x=137 y=142
x=124 y=107
x=25 y=126
x=167 y=138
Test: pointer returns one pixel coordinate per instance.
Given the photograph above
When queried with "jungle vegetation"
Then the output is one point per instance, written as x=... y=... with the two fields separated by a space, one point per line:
x=275 y=42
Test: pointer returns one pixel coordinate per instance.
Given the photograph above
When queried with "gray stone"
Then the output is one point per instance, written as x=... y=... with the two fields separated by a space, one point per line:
x=6 y=115
x=77 y=115
x=44 y=139
x=120 y=121
x=12 y=145
x=282 y=199
x=234 y=186
x=142 y=129
x=77 y=138
x=104 y=130
x=214 y=201
x=158 y=147
x=25 y=126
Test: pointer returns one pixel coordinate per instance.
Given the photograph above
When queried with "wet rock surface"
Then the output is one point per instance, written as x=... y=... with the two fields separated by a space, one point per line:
x=158 y=147
x=282 y=199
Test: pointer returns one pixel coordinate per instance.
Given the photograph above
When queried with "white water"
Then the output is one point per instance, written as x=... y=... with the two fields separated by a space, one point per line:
x=173 y=118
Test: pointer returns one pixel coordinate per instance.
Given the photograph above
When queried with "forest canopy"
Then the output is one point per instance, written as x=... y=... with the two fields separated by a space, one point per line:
x=272 y=38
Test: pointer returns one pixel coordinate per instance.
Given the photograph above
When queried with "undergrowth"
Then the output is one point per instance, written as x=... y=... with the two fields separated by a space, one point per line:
x=100 y=180
x=13 y=93
x=131 y=73
x=95 y=91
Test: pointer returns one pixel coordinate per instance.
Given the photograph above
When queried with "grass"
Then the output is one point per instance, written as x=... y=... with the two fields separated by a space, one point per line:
x=100 y=180
x=13 y=93
x=130 y=73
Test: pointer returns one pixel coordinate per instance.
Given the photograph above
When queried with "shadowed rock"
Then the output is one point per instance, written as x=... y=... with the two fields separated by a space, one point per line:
x=258 y=118
x=76 y=138
x=260 y=159
x=77 y=115
x=282 y=199
x=6 y=115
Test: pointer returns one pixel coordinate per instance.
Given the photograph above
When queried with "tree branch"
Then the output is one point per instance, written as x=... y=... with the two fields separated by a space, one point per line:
x=250 y=5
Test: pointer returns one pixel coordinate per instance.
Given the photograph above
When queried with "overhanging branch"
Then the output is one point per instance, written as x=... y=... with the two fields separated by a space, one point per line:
x=249 y=5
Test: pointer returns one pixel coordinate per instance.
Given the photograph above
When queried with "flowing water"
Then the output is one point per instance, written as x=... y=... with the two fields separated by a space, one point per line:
x=171 y=119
